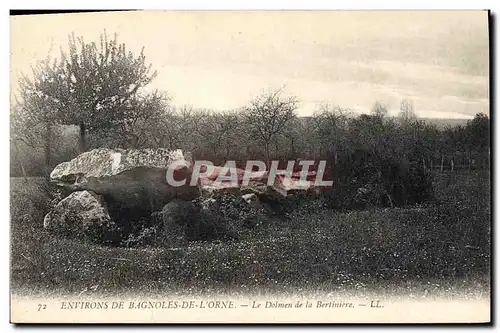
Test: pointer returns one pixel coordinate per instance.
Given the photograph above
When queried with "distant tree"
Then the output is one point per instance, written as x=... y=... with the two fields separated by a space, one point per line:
x=23 y=129
x=330 y=126
x=227 y=126
x=369 y=133
x=417 y=141
x=379 y=110
x=267 y=117
x=36 y=145
x=297 y=139
x=478 y=137
x=168 y=130
x=89 y=87
x=31 y=123
x=217 y=133
x=407 y=111
x=21 y=135
x=479 y=131
x=427 y=143
x=192 y=122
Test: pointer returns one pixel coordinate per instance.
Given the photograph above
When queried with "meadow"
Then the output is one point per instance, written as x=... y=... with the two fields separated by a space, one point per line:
x=440 y=248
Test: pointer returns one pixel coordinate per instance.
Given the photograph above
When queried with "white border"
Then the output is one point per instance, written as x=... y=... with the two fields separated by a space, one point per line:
x=199 y=4
x=255 y=4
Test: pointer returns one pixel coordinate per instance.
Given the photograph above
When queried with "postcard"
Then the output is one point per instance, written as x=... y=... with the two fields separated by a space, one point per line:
x=250 y=167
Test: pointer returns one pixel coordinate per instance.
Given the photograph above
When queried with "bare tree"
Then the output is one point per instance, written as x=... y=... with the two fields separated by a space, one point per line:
x=407 y=111
x=224 y=128
x=330 y=125
x=32 y=122
x=267 y=117
x=379 y=110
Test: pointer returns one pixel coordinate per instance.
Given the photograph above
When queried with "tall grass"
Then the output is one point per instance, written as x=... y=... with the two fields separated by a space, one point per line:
x=310 y=248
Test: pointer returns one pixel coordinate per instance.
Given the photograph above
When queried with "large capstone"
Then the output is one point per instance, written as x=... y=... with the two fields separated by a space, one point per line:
x=133 y=182
x=82 y=214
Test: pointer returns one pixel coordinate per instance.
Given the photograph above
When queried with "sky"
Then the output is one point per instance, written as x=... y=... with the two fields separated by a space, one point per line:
x=221 y=60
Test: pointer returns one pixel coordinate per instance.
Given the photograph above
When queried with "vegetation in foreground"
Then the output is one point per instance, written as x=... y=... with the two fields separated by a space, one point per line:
x=447 y=242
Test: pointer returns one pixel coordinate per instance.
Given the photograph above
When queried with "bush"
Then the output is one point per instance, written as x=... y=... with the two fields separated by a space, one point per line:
x=363 y=180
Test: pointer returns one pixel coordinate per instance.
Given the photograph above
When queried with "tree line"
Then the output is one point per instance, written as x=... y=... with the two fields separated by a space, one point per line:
x=93 y=96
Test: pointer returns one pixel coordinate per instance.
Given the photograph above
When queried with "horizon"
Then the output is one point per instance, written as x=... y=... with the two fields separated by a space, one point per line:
x=220 y=60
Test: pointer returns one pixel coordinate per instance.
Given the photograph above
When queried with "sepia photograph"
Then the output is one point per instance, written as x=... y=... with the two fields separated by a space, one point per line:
x=189 y=166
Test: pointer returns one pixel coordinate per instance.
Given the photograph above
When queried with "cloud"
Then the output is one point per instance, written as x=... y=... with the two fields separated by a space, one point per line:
x=220 y=60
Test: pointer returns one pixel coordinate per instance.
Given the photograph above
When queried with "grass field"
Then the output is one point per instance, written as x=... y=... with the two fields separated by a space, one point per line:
x=441 y=248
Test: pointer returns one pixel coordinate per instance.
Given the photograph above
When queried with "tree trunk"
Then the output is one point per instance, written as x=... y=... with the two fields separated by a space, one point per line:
x=390 y=199
x=442 y=162
x=83 y=139
x=266 y=151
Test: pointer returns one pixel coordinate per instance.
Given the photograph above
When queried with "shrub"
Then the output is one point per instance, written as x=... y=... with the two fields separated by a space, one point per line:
x=363 y=180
